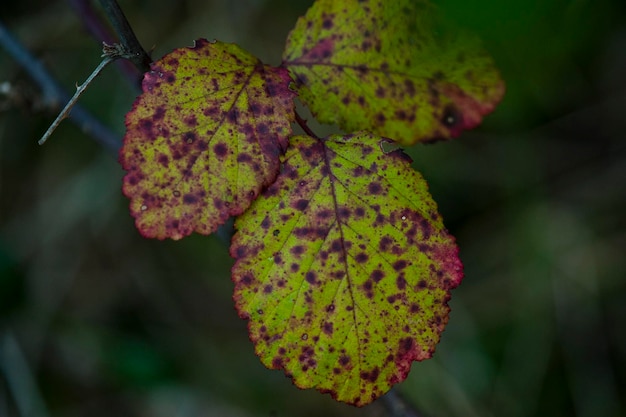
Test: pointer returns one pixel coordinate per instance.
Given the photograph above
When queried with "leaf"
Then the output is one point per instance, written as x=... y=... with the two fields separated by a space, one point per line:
x=204 y=138
x=344 y=268
x=391 y=67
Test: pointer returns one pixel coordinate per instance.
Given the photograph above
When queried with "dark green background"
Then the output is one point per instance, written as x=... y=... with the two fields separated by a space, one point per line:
x=97 y=321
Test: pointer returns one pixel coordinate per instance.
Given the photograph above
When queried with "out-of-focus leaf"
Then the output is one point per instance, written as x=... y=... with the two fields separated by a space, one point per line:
x=344 y=267
x=204 y=138
x=391 y=67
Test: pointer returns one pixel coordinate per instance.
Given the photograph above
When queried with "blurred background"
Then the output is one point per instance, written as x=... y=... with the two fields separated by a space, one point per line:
x=97 y=321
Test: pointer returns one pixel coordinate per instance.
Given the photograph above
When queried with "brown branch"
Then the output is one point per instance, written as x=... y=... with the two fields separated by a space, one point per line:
x=303 y=124
x=135 y=52
x=95 y=24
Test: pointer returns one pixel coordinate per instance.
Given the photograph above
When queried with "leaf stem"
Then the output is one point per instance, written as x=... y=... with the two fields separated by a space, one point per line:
x=129 y=41
x=397 y=406
x=303 y=124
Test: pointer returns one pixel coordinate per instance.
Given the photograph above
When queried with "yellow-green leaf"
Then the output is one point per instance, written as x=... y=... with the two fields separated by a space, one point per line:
x=204 y=138
x=391 y=67
x=344 y=268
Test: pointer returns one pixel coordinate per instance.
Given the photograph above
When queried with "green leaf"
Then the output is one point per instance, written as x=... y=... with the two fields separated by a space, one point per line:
x=204 y=138
x=391 y=67
x=344 y=267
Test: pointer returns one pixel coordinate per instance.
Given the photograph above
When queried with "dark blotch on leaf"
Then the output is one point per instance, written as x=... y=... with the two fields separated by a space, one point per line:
x=377 y=275
x=220 y=150
x=240 y=252
x=189 y=137
x=374 y=188
x=401 y=282
x=263 y=129
x=191 y=121
x=233 y=115
x=297 y=250
x=190 y=199
x=371 y=376
x=361 y=257
x=311 y=277
x=163 y=160
x=344 y=360
x=159 y=113
x=385 y=243
x=406 y=345
x=243 y=157
x=301 y=204
x=400 y=265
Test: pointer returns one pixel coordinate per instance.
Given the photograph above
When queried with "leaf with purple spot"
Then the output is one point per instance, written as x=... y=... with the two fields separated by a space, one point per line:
x=392 y=67
x=204 y=138
x=344 y=268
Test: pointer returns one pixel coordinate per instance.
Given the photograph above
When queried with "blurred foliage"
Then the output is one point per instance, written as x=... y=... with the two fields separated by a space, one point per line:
x=96 y=320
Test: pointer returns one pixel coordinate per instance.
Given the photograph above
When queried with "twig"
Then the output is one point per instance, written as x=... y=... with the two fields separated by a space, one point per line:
x=54 y=94
x=129 y=41
x=100 y=31
x=79 y=92
x=304 y=126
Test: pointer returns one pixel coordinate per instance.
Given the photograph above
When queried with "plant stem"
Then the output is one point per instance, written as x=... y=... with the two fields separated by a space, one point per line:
x=397 y=406
x=53 y=94
x=302 y=123
x=94 y=24
x=79 y=91
x=129 y=41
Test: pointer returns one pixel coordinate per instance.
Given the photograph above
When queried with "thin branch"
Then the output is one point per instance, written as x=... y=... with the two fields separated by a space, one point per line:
x=54 y=94
x=129 y=41
x=304 y=126
x=79 y=92
x=99 y=30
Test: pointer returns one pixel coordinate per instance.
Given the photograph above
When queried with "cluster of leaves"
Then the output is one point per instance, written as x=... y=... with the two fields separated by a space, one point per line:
x=343 y=266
